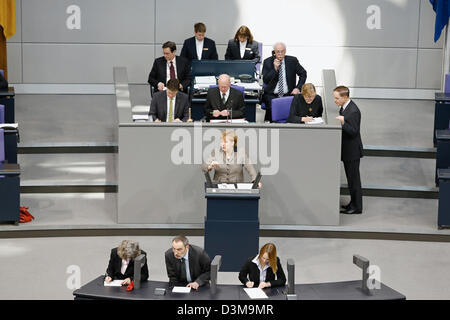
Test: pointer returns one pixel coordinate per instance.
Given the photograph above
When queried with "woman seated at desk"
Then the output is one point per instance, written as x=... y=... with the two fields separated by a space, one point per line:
x=305 y=106
x=260 y=271
x=243 y=47
x=229 y=162
x=121 y=263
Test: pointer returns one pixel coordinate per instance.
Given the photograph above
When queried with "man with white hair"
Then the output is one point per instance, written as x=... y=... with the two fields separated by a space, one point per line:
x=279 y=75
x=223 y=101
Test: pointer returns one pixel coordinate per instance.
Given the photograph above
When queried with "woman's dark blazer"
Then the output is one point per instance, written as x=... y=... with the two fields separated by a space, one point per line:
x=115 y=264
x=234 y=51
x=250 y=272
x=299 y=109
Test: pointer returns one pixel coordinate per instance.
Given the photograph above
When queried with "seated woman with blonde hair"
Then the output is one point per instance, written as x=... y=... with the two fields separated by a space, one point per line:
x=305 y=106
x=264 y=270
x=228 y=162
x=121 y=263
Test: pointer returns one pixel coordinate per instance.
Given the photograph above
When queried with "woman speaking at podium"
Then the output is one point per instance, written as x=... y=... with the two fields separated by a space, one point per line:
x=229 y=162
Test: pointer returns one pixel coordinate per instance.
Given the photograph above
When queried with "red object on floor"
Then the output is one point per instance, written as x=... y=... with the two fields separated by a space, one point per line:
x=25 y=216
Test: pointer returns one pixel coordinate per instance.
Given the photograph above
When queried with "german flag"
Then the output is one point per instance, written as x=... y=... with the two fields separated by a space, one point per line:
x=8 y=17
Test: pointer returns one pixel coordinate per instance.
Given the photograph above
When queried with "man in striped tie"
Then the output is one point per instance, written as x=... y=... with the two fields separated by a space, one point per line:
x=170 y=66
x=279 y=75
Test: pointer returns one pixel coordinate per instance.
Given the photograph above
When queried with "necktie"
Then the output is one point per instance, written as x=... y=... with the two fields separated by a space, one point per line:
x=341 y=111
x=170 y=110
x=172 y=71
x=183 y=276
x=281 y=80
x=224 y=100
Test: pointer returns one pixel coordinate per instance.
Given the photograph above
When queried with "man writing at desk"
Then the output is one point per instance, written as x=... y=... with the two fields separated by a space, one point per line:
x=223 y=101
x=170 y=105
x=187 y=265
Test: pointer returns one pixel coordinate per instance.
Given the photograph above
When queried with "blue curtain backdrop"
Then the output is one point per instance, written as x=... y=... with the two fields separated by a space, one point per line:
x=442 y=9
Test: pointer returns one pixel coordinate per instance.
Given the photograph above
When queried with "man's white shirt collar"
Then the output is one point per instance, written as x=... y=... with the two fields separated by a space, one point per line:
x=345 y=105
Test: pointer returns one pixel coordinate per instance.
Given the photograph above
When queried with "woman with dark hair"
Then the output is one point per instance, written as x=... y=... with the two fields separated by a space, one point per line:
x=243 y=47
x=264 y=270
x=121 y=263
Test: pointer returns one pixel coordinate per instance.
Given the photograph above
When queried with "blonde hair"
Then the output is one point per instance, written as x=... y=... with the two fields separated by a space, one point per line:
x=308 y=89
x=128 y=249
x=229 y=134
x=271 y=251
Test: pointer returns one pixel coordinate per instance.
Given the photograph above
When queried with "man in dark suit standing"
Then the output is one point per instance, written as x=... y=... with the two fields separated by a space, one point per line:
x=279 y=74
x=351 y=148
x=169 y=67
x=223 y=101
x=187 y=265
x=170 y=105
x=199 y=47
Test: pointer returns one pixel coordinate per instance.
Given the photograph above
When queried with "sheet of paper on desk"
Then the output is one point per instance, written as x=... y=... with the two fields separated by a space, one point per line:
x=181 y=289
x=256 y=293
x=318 y=120
x=114 y=283
x=237 y=121
x=250 y=85
x=205 y=80
x=226 y=186
x=245 y=186
x=140 y=117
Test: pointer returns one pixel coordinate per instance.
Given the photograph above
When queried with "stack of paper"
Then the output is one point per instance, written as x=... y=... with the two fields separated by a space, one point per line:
x=237 y=121
x=140 y=117
x=205 y=80
x=9 y=125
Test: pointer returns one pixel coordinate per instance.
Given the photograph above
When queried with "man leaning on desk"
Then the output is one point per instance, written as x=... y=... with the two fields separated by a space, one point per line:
x=170 y=105
x=187 y=265
x=224 y=102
